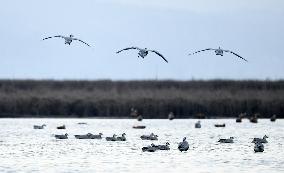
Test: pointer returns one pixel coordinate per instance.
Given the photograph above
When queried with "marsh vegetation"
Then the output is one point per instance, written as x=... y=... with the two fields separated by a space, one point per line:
x=152 y=99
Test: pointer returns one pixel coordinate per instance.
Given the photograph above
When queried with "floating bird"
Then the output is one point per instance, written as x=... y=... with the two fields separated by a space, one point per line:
x=220 y=125
x=183 y=146
x=68 y=39
x=230 y=140
x=197 y=124
x=61 y=127
x=89 y=136
x=140 y=118
x=171 y=116
x=240 y=117
x=219 y=51
x=143 y=52
x=253 y=119
x=82 y=123
x=152 y=136
x=39 y=127
x=273 y=118
x=61 y=136
x=99 y=136
x=121 y=138
x=139 y=127
x=258 y=147
x=150 y=148
x=263 y=140
x=239 y=120
x=113 y=138
x=163 y=147
x=83 y=136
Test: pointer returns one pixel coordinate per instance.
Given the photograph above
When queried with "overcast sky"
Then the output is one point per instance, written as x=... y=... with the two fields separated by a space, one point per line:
x=252 y=28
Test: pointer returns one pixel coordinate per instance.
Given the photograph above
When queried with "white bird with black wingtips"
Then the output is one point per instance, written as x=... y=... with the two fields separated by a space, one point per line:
x=219 y=51
x=68 y=39
x=143 y=52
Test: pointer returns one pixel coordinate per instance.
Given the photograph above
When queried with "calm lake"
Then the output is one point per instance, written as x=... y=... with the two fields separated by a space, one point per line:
x=24 y=149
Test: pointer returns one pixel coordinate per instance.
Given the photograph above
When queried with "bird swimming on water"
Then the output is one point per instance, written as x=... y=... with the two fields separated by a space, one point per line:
x=150 y=148
x=121 y=138
x=143 y=52
x=219 y=51
x=261 y=140
x=89 y=136
x=152 y=136
x=163 y=147
x=258 y=147
x=65 y=136
x=230 y=140
x=183 y=146
x=68 y=39
x=39 y=126
x=197 y=124
x=113 y=138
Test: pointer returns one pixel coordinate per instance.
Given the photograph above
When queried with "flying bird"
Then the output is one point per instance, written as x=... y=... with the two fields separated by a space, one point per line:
x=143 y=52
x=219 y=51
x=68 y=39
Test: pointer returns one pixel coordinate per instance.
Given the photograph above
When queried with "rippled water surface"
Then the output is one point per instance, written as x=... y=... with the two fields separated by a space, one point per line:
x=23 y=149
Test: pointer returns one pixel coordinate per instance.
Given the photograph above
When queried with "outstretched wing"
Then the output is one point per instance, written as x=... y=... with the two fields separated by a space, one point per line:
x=159 y=55
x=82 y=41
x=53 y=36
x=201 y=51
x=235 y=54
x=128 y=49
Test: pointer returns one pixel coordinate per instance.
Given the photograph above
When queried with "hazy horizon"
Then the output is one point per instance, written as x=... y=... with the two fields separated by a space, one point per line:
x=142 y=79
x=253 y=29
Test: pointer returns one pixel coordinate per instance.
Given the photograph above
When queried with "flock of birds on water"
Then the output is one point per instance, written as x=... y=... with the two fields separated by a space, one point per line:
x=143 y=52
x=258 y=147
x=182 y=146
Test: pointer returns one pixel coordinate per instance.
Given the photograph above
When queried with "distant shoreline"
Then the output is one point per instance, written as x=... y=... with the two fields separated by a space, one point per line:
x=152 y=99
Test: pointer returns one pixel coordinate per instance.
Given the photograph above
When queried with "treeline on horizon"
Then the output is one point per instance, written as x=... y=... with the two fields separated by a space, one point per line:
x=152 y=99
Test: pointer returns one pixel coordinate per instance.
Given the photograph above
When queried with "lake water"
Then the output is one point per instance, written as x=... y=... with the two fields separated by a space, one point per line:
x=23 y=149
